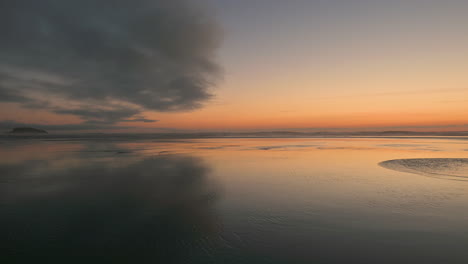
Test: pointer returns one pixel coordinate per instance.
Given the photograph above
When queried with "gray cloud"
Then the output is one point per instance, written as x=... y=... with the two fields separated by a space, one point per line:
x=96 y=116
x=144 y=120
x=106 y=60
x=7 y=125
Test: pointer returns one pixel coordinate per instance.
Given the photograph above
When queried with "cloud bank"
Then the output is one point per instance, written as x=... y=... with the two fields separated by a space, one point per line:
x=107 y=61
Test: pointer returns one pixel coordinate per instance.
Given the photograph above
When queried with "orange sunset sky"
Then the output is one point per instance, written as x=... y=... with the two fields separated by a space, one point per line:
x=318 y=65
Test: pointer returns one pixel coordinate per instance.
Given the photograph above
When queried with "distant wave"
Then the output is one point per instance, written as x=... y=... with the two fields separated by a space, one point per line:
x=451 y=169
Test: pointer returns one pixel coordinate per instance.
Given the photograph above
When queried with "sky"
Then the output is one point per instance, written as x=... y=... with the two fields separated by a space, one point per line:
x=219 y=65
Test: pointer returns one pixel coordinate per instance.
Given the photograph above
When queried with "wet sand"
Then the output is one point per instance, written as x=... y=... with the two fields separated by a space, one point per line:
x=227 y=200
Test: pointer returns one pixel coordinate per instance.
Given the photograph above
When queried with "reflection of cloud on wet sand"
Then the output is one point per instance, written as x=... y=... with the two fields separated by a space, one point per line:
x=414 y=147
x=402 y=145
x=217 y=147
x=284 y=147
x=452 y=169
x=155 y=209
x=343 y=148
x=427 y=149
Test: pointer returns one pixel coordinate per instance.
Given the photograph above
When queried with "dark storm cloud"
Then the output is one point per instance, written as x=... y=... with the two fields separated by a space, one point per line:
x=106 y=60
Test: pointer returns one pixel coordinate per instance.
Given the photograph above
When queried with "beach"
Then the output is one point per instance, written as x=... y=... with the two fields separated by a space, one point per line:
x=234 y=200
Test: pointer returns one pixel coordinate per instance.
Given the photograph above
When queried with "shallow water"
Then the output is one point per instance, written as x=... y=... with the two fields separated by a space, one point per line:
x=317 y=200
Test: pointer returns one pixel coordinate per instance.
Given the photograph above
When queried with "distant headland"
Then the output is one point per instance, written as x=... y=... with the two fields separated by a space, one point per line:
x=27 y=130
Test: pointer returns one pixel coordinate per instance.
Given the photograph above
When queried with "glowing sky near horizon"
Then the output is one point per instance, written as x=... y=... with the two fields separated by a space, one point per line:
x=325 y=64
